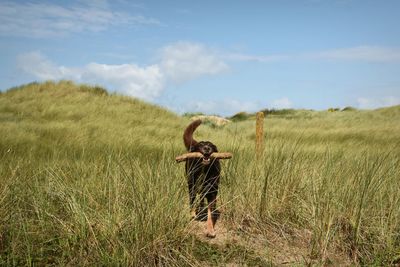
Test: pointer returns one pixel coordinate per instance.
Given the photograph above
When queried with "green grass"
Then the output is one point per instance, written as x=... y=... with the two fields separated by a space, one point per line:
x=88 y=178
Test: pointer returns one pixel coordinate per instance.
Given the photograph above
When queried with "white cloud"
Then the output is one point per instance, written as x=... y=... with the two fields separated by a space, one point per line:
x=129 y=79
x=369 y=103
x=268 y=58
x=223 y=107
x=281 y=103
x=185 y=61
x=180 y=62
x=360 y=53
x=146 y=82
x=229 y=107
x=49 y=20
x=365 y=53
x=39 y=66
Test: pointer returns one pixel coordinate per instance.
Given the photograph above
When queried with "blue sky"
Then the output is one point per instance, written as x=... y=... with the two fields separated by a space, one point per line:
x=217 y=57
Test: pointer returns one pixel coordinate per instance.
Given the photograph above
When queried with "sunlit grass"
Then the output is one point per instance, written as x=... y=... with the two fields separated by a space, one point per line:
x=88 y=178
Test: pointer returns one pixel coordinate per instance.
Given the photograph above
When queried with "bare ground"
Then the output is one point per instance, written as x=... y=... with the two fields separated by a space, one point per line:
x=274 y=246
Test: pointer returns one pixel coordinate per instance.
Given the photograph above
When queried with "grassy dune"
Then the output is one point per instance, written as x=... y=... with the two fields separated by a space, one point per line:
x=88 y=178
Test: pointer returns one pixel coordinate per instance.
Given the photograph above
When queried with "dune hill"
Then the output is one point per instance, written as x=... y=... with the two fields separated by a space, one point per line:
x=42 y=117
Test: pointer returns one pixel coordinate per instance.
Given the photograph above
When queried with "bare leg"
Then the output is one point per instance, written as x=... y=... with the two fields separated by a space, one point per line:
x=211 y=216
x=192 y=195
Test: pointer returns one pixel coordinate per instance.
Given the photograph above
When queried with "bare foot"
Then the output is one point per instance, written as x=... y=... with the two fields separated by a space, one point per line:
x=211 y=234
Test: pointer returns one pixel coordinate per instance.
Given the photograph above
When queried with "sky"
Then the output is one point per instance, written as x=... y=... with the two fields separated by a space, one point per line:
x=216 y=57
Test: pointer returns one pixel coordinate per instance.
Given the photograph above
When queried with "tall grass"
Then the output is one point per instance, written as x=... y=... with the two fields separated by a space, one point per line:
x=88 y=178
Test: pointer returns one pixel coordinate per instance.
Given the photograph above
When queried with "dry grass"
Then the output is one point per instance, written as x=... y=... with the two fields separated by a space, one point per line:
x=88 y=178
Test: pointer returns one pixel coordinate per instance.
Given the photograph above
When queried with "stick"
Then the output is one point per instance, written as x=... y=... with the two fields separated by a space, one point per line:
x=191 y=155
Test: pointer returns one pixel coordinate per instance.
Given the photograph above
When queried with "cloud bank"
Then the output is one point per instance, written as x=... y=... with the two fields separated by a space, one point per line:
x=228 y=107
x=281 y=103
x=373 y=103
x=185 y=61
x=179 y=62
x=365 y=53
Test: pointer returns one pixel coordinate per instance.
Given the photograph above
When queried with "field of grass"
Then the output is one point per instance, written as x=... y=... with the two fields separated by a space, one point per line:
x=88 y=178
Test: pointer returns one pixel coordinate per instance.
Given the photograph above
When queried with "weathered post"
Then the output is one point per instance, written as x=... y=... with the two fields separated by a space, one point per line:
x=259 y=155
x=259 y=134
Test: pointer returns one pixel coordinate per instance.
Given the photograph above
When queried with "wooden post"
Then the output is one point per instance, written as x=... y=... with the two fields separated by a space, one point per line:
x=259 y=134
